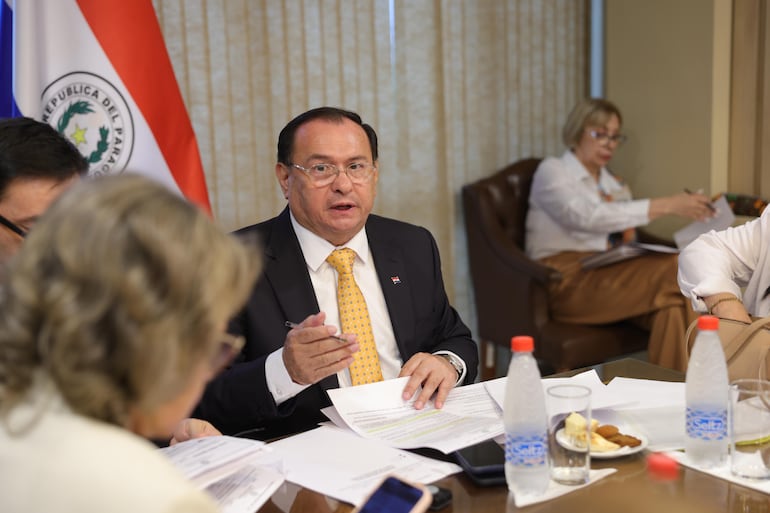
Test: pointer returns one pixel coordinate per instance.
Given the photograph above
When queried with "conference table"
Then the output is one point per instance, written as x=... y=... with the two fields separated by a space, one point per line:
x=629 y=490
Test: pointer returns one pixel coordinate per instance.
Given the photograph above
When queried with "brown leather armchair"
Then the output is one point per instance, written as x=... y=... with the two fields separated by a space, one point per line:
x=511 y=290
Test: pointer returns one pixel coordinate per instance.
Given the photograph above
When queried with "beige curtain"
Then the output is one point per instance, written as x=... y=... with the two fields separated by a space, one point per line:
x=455 y=89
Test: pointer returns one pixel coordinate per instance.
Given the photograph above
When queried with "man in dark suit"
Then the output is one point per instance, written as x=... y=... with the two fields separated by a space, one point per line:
x=327 y=170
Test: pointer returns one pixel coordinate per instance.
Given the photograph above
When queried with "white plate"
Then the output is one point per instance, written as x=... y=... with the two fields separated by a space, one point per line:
x=564 y=441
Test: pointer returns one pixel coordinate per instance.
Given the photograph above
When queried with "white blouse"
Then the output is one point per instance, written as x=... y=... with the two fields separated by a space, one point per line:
x=567 y=212
x=728 y=261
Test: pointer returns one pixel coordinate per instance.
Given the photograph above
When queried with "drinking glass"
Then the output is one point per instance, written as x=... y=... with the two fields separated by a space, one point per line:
x=749 y=421
x=568 y=453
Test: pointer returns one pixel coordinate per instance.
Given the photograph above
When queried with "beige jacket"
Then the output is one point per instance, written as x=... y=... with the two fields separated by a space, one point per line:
x=67 y=463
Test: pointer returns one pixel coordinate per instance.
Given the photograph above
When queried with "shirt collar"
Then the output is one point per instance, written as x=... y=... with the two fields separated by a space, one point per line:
x=316 y=249
x=606 y=181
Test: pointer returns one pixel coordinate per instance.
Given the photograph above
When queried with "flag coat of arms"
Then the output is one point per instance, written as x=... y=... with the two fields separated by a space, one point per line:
x=98 y=71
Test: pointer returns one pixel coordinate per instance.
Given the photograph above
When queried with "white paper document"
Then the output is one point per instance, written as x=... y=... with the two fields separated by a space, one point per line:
x=723 y=472
x=247 y=489
x=723 y=218
x=655 y=409
x=647 y=393
x=240 y=474
x=377 y=411
x=557 y=489
x=343 y=465
x=600 y=397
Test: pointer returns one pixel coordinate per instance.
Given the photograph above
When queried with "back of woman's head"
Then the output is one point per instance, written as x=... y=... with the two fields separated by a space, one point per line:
x=118 y=292
x=588 y=112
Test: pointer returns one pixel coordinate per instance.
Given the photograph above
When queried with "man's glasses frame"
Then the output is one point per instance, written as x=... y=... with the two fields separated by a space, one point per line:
x=322 y=174
x=15 y=228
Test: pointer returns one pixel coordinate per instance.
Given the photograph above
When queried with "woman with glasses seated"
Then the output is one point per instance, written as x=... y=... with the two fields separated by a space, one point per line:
x=111 y=324
x=577 y=208
x=727 y=273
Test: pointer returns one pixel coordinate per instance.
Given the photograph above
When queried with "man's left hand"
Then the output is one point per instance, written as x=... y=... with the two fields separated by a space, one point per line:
x=434 y=373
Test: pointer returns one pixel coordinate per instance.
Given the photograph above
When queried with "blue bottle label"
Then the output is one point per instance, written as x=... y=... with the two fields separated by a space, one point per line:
x=526 y=450
x=703 y=424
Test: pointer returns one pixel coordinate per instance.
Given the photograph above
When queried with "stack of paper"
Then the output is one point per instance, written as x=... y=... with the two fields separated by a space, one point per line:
x=240 y=474
x=377 y=411
x=338 y=463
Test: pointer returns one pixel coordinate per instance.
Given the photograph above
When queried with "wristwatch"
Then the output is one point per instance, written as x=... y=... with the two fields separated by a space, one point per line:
x=454 y=362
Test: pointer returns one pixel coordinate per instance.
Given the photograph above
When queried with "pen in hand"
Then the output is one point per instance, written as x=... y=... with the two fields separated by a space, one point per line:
x=708 y=205
x=293 y=325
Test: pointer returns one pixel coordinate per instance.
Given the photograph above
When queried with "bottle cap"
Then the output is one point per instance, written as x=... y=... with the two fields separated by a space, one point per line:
x=522 y=343
x=661 y=467
x=708 y=322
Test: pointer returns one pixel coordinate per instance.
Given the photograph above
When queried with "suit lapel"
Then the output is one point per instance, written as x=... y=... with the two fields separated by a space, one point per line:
x=286 y=271
x=389 y=261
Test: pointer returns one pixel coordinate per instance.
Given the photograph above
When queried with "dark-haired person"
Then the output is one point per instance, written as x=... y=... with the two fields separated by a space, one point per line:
x=727 y=273
x=327 y=170
x=577 y=207
x=36 y=165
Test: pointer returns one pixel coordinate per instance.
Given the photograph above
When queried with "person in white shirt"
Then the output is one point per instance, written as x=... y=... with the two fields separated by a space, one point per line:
x=727 y=273
x=111 y=323
x=577 y=207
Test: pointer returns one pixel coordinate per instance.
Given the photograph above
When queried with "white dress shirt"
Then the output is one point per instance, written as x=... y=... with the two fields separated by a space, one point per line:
x=567 y=213
x=727 y=261
x=324 y=279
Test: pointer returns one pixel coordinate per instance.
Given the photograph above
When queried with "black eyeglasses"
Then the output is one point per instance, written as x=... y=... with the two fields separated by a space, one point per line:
x=15 y=228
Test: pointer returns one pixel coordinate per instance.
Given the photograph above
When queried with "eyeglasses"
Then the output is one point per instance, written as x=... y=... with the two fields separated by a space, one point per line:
x=229 y=348
x=15 y=228
x=324 y=174
x=604 y=137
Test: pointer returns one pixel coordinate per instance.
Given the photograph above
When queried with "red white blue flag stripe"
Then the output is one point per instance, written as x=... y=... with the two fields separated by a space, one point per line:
x=98 y=71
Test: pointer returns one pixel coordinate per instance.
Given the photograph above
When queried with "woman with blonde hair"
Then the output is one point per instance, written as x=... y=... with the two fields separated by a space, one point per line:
x=111 y=323
x=577 y=208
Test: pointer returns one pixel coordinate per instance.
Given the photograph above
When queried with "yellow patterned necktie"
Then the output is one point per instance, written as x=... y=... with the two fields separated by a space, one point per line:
x=354 y=317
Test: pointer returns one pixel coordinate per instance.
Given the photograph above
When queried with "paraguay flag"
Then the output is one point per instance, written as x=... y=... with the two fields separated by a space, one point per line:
x=98 y=72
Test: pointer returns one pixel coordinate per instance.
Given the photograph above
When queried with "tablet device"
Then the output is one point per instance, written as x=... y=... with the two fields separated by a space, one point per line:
x=484 y=463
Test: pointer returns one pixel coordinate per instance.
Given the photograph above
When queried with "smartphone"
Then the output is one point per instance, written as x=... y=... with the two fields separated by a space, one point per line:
x=484 y=462
x=394 y=495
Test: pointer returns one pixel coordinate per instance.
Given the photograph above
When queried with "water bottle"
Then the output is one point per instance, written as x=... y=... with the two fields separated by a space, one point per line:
x=706 y=392
x=526 y=436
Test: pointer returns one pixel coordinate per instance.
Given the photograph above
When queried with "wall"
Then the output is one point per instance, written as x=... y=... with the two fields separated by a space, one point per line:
x=668 y=70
